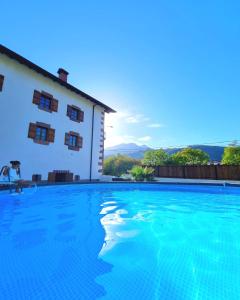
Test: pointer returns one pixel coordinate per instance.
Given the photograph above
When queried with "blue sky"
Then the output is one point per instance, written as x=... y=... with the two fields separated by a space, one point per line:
x=170 y=68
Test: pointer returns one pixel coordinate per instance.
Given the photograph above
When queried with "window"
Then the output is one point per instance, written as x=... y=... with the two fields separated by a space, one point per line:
x=41 y=134
x=45 y=103
x=75 y=113
x=72 y=140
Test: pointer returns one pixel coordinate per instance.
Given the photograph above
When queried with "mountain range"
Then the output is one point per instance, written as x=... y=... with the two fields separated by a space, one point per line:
x=136 y=151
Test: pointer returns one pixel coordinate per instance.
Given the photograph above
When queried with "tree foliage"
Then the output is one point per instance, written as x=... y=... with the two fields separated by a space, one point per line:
x=140 y=173
x=118 y=165
x=155 y=158
x=231 y=156
x=189 y=156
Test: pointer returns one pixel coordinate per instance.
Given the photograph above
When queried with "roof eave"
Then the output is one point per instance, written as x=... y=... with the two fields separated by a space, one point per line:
x=31 y=65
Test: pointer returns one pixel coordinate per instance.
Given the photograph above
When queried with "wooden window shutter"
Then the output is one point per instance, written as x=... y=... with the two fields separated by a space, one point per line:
x=51 y=135
x=32 y=131
x=67 y=137
x=54 y=105
x=47 y=95
x=80 y=116
x=36 y=97
x=1 y=82
x=69 y=109
x=79 y=141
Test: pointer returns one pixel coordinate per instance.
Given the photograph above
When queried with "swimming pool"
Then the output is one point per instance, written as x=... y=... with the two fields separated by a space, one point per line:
x=120 y=241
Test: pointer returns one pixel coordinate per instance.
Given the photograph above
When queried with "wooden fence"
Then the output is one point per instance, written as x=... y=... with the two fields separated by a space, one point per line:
x=199 y=172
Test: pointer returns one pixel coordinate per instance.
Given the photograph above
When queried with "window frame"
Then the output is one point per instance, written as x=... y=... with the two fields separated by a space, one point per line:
x=42 y=103
x=78 y=115
x=39 y=137
x=74 y=114
x=73 y=140
x=41 y=133
x=45 y=101
x=69 y=137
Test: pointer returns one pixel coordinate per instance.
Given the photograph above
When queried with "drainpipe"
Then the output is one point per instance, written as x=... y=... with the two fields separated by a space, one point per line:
x=91 y=157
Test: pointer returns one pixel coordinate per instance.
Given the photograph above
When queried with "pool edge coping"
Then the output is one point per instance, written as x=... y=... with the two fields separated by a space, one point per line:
x=210 y=183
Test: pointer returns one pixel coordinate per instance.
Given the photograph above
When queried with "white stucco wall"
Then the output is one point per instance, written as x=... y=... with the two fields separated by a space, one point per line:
x=17 y=111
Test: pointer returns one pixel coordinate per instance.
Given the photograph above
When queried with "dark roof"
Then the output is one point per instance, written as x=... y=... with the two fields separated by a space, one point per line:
x=45 y=73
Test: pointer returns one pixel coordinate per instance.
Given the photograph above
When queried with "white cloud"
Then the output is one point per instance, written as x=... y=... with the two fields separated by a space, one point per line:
x=131 y=120
x=138 y=118
x=144 y=138
x=125 y=117
x=113 y=140
x=155 y=125
x=122 y=122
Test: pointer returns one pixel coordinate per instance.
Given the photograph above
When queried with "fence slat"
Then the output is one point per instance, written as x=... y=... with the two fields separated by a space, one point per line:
x=199 y=172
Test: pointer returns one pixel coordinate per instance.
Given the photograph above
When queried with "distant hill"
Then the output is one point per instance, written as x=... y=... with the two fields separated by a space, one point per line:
x=136 y=151
x=131 y=149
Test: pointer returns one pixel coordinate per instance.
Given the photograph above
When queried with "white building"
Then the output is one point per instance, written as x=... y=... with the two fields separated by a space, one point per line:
x=46 y=123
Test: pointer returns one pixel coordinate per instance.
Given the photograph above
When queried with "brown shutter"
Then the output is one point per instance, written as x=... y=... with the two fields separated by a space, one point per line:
x=36 y=97
x=54 y=105
x=32 y=131
x=51 y=135
x=47 y=95
x=69 y=108
x=1 y=82
x=66 y=139
x=79 y=141
x=80 y=116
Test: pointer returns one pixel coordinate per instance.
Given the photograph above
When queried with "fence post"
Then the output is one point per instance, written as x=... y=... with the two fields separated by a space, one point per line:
x=184 y=172
x=216 y=171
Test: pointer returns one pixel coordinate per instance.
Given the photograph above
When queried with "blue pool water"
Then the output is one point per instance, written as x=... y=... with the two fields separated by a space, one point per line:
x=120 y=241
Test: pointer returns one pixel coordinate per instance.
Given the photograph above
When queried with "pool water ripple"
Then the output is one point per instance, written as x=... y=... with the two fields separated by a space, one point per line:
x=120 y=241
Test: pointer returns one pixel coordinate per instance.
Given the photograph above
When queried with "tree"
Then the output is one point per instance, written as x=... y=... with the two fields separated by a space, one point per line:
x=118 y=165
x=189 y=156
x=231 y=156
x=155 y=158
x=139 y=173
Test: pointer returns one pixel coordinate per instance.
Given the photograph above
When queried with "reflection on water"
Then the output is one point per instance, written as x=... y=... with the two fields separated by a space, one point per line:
x=169 y=244
x=120 y=242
